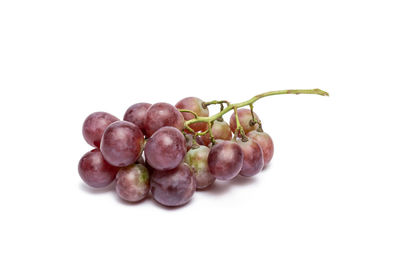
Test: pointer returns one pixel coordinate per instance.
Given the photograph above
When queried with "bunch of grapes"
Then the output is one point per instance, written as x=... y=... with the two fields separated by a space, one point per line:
x=170 y=151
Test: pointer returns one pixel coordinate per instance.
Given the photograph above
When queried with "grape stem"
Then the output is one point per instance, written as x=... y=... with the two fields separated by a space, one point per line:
x=249 y=102
x=189 y=111
x=215 y=102
x=239 y=127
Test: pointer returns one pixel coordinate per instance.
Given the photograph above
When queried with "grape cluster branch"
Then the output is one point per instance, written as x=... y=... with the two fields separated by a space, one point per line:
x=249 y=102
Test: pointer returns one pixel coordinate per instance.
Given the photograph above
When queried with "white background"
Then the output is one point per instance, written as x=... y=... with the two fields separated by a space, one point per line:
x=331 y=194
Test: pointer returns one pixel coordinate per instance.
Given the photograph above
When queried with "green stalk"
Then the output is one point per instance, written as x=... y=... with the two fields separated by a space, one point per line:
x=250 y=102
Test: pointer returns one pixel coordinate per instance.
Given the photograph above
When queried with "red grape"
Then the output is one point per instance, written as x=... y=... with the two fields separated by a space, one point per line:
x=160 y=115
x=253 y=161
x=122 y=143
x=137 y=114
x=133 y=182
x=95 y=171
x=197 y=158
x=196 y=105
x=244 y=119
x=225 y=160
x=94 y=126
x=220 y=130
x=165 y=149
x=266 y=144
x=174 y=187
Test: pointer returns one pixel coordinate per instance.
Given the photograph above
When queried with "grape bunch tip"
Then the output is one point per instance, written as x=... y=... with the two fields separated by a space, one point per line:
x=169 y=151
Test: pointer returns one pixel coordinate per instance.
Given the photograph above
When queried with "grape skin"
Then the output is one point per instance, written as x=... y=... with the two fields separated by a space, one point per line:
x=94 y=126
x=174 y=187
x=225 y=160
x=133 y=183
x=220 y=130
x=266 y=144
x=137 y=114
x=244 y=115
x=122 y=143
x=160 y=115
x=197 y=159
x=95 y=171
x=253 y=160
x=165 y=149
x=196 y=105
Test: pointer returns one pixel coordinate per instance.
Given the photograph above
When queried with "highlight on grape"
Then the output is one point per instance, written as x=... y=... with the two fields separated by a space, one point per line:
x=169 y=151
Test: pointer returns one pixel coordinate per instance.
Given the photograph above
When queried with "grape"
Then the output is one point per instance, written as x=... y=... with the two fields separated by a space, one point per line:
x=95 y=171
x=197 y=158
x=122 y=143
x=165 y=149
x=94 y=126
x=160 y=115
x=133 y=183
x=266 y=144
x=220 y=130
x=196 y=105
x=174 y=187
x=225 y=160
x=137 y=114
x=253 y=161
x=244 y=119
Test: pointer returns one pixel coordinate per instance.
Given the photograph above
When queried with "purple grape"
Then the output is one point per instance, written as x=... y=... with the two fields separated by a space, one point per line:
x=244 y=115
x=137 y=114
x=220 y=130
x=174 y=187
x=196 y=105
x=133 y=183
x=225 y=160
x=94 y=126
x=165 y=149
x=95 y=171
x=122 y=143
x=266 y=144
x=160 y=115
x=253 y=160
x=197 y=159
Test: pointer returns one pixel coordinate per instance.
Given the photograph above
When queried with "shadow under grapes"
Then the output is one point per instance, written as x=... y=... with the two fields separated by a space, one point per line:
x=222 y=187
x=93 y=190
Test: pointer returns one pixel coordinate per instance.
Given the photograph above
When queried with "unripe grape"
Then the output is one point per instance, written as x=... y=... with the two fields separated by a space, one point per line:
x=245 y=119
x=133 y=183
x=266 y=144
x=95 y=171
x=174 y=187
x=94 y=126
x=196 y=105
x=122 y=143
x=197 y=159
x=160 y=115
x=225 y=160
